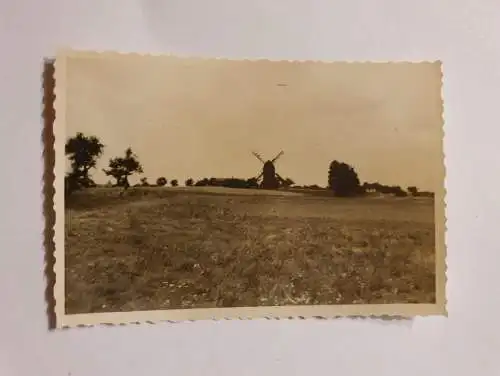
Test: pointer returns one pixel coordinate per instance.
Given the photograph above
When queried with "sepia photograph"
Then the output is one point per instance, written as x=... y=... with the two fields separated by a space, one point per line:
x=198 y=188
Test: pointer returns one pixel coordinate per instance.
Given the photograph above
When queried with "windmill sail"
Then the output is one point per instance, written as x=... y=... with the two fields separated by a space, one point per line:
x=280 y=178
x=268 y=177
x=258 y=156
x=278 y=156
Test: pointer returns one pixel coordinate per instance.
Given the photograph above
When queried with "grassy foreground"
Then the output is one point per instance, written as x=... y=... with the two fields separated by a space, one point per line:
x=162 y=248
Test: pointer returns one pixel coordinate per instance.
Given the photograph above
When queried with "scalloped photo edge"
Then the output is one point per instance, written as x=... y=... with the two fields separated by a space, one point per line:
x=64 y=320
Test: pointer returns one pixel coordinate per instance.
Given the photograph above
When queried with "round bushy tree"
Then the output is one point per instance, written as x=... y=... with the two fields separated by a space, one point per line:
x=161 y=181
x=343 y=180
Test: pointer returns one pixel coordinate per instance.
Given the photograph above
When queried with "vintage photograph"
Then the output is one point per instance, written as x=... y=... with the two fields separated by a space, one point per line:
x=200 y=188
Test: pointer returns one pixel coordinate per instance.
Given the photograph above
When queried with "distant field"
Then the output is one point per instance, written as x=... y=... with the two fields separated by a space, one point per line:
x=158 y=248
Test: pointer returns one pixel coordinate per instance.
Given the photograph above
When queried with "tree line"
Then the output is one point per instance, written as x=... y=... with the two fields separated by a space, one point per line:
x=344 y=182
x=84 y=151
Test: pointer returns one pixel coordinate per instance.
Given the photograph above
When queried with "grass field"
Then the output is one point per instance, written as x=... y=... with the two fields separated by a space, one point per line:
x=160 y=248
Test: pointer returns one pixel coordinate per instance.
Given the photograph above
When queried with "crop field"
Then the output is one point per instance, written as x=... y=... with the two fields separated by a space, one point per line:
x=170 y=248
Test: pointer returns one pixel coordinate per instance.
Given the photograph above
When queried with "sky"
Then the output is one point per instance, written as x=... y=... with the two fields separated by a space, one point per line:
x=203 y=118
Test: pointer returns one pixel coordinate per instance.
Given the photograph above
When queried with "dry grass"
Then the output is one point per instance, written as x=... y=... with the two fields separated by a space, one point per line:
x=162 y=248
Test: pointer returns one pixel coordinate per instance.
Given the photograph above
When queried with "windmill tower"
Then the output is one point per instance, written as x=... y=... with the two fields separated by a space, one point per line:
x=269 y=178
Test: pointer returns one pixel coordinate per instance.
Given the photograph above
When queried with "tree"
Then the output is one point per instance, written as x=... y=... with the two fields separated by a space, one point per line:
x=398 y=191
x=234 y=183
x=174 y=183
x=189 y=182
x=413 y=191
x=343 y=180
x=252 y=183
x=161 y=181
x=203 y=182
x=83 y=153
x=144 y=182
x=121 y=168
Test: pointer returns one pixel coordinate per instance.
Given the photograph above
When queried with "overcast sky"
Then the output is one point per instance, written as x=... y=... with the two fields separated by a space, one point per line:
x=203 y=118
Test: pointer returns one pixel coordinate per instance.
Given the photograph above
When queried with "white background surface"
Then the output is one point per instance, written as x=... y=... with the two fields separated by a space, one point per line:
x=462 y=33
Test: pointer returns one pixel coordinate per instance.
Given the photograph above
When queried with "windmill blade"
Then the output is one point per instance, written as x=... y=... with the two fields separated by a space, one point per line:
x=258 y=156
x=257 y=177
x=276 y=158
x=280 y=178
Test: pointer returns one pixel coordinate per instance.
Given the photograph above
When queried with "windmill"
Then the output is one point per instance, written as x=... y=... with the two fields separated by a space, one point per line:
x=270 y=178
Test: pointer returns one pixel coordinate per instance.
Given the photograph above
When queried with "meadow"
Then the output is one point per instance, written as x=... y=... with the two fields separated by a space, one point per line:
x=197 y=247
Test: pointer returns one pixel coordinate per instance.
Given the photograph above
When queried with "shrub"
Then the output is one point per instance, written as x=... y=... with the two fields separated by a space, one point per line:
x=202 y=183
x=161 y=181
